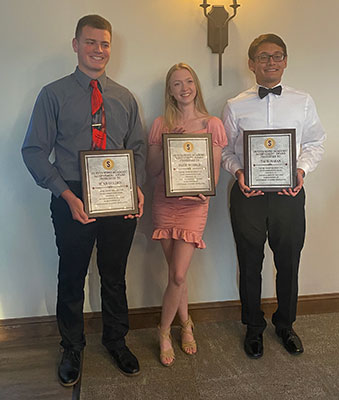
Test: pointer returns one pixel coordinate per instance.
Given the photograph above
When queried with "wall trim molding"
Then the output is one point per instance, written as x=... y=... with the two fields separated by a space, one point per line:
x=16 y=330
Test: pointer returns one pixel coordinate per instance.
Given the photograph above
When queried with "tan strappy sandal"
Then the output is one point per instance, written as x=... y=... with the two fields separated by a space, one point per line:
x=166 y=335
x=192 y=345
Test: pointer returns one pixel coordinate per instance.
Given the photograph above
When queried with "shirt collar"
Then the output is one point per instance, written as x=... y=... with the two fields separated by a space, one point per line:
x=257 y=86
x=84 y=80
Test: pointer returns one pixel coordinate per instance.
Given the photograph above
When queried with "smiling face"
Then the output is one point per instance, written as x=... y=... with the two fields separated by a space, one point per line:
x=268 y=74
x=182 y=87
x=93 y=47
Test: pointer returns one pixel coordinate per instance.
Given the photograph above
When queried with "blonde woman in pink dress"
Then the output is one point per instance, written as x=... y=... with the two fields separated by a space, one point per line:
x=179 y=222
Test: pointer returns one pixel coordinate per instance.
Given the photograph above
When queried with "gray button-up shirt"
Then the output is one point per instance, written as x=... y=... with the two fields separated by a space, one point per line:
x=61 y=120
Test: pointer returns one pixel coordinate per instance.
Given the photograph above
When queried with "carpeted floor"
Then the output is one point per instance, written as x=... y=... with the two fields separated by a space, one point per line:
x=220 y=370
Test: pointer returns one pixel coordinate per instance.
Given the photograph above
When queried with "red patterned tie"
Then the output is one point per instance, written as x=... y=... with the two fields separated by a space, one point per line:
x=98 y=135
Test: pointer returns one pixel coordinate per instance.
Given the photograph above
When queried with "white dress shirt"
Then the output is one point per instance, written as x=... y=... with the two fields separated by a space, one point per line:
x=292 y=109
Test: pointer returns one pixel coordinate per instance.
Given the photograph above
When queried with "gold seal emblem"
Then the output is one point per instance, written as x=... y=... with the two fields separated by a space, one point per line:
x=269 y=143
x=188 y=147
x=108 y=164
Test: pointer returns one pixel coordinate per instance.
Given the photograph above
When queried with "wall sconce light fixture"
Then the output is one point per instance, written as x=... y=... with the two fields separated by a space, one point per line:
x=217 y=29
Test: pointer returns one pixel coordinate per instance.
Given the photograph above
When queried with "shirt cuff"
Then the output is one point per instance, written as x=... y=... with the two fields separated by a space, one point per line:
x=140 y=178
x=303 y=166
x=58 y=186
x=235 y=168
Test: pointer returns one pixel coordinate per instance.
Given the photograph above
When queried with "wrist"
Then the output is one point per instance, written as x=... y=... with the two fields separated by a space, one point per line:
x=68 y=195
x=301 y=172
x=238 y=173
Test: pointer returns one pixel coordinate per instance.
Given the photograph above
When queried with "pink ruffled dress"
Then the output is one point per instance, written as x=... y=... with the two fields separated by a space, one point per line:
x=174 y=218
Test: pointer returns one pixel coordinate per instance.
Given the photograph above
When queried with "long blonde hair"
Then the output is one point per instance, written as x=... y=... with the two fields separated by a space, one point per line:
x=172 y=111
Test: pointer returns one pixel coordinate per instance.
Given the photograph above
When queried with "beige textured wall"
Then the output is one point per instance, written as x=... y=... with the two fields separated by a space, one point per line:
x=150 y=36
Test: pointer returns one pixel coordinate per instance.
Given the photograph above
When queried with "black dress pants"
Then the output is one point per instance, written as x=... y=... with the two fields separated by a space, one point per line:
x=75 y=243
x=282 y=220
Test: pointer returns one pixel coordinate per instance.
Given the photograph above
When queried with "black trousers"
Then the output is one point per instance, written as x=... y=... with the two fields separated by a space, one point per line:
x=282 y=220
x=75 y=243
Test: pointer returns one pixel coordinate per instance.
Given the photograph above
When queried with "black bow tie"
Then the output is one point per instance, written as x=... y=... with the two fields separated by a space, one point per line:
x=263 y=92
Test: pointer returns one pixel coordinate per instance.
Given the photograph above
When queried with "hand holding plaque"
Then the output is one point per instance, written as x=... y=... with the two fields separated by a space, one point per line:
x=270 y=159
x=108 y=182
x=188 y=164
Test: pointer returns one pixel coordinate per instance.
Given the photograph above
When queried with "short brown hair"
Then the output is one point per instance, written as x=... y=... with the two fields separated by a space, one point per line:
x=94 y=21
x=266 y=38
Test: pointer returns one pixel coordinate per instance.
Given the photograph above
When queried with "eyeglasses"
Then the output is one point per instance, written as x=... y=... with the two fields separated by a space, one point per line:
x=265 y=58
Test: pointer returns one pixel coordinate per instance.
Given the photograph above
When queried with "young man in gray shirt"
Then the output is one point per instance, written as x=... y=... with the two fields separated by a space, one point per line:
x=62 y=121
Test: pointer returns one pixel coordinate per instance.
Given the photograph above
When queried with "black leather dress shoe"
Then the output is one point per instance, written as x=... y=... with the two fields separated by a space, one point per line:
x=69 y=368
x=290 y=340
x=126 y=361
x=253 y=345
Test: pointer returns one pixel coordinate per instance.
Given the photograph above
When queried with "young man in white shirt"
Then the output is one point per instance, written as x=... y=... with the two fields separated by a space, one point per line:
x=279 y=216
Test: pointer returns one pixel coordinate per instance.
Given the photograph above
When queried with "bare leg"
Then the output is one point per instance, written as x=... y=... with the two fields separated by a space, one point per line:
x=187 y=336
x=181 y=256
x=167 y=247
x=178 y=255
x=183 y=305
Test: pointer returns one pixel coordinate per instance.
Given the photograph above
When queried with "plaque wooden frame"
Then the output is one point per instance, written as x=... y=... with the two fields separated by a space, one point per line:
x=189 y=185
x=98 y=178
x=270 y=159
